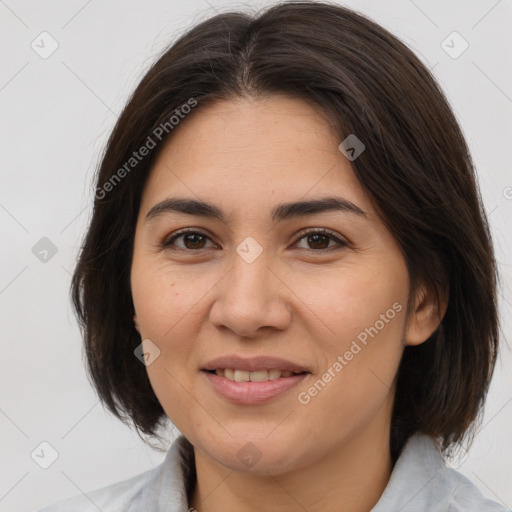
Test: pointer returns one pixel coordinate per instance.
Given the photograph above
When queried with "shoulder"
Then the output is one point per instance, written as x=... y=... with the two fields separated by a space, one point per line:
x=422 y=482
x=462 y=495
x=163 y=485
x=466 y=497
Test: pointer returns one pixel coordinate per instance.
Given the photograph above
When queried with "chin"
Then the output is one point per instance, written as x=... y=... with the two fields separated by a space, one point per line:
x=253 y=454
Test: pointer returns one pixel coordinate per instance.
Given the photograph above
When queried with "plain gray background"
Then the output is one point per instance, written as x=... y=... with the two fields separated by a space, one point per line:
x=56 y=115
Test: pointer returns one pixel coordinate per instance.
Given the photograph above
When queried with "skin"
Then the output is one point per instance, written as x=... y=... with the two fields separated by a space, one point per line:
x=196 y=301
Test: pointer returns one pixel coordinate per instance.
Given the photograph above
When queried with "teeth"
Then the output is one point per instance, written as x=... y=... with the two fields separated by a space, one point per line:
x=258 y=376
x=274 y=374
x=241 y=376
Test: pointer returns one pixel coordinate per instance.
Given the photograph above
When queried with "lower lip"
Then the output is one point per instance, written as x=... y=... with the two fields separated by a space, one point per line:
x=250 y=393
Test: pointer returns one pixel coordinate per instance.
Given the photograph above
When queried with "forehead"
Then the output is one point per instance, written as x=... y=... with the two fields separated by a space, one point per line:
x=253 y=152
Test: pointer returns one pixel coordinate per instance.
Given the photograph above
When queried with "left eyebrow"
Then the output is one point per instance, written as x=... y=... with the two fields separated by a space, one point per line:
x=279 y=213
x=314 y=207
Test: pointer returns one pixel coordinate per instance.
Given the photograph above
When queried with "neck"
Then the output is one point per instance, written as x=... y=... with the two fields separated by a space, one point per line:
x=351 y=477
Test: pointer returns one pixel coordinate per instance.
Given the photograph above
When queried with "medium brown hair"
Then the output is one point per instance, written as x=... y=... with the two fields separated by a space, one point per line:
x=416 y=169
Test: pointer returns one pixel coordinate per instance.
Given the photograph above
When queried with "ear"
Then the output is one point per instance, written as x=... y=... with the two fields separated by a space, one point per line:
x=136 y=323
x=425 y=316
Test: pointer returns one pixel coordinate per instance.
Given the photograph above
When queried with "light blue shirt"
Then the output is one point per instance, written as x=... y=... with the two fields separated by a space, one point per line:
x=420 y=482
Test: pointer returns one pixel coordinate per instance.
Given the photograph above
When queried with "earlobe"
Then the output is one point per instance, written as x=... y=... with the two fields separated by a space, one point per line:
x=136 y=323
x=425 y=317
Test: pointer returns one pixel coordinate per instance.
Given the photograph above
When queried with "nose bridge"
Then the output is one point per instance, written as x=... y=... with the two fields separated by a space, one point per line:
x=250 y=275
x=248 y=298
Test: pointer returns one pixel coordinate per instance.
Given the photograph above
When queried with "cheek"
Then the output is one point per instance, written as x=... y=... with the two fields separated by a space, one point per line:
x=163 y=297
x=348 y=302
x=363 y=317
x=167 y=303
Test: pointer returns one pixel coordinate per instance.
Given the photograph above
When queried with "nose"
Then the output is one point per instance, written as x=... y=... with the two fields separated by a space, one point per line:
x=252 y=298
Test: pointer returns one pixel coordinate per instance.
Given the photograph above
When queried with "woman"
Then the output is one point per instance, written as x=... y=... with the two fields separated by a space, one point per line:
x=289 y=260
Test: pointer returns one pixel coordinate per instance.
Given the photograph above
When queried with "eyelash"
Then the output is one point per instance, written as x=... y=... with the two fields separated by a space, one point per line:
x=167 y=243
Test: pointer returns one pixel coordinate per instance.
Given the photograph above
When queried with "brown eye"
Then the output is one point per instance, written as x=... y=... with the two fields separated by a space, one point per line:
x=191 y=240
x=318 y=240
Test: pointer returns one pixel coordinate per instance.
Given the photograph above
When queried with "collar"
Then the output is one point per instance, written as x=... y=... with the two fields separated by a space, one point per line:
x=420 y=482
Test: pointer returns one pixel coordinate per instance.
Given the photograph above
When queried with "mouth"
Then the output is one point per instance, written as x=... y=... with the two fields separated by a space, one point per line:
x=252 y=388
x=235 y=375
x=253 y=380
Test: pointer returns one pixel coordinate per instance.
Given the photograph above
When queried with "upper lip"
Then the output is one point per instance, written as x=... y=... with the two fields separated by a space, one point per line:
x=252 y=364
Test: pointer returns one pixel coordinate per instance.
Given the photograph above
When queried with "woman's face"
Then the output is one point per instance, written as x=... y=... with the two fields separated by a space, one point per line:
x=254 y=284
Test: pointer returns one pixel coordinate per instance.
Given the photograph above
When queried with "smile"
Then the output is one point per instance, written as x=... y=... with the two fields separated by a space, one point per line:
x=256 y=376
x=248 y=391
